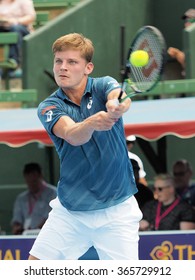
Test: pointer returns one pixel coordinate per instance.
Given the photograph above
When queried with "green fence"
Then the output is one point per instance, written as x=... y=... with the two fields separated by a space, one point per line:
x=189 y=49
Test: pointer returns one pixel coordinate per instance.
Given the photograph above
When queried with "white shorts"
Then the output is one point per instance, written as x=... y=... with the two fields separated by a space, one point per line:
x=67 y=235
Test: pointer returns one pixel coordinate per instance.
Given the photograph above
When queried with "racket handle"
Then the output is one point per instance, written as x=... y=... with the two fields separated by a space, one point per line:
x=122 y=90
x=120 y=95
x=115 y=101
x=128 y=96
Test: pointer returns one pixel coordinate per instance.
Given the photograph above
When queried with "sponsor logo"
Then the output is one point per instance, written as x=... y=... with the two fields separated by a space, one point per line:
x=89 y=105
x=168 y=251
x=49 y=116
x=162 y=252
x=47 y=109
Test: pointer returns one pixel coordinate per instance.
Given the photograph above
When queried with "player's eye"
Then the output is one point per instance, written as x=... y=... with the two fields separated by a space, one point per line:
x=58 y=61
x=72 y=62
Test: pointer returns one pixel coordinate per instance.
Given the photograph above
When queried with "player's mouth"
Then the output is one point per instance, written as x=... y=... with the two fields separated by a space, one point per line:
x=63 y=76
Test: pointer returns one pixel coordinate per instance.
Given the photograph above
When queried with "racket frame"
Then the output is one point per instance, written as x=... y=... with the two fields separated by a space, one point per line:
x=126 y=79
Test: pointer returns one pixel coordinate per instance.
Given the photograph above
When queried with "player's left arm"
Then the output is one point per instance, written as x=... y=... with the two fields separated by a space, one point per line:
x=114 y=109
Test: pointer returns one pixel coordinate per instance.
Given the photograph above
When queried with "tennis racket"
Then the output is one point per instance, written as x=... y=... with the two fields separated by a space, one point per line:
x=143 y=79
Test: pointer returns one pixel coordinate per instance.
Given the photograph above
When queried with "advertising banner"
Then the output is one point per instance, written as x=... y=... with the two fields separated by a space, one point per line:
x=173 y=245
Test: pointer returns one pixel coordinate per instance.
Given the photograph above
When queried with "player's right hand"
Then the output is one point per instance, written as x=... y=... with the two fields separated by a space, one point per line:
x=103 y=121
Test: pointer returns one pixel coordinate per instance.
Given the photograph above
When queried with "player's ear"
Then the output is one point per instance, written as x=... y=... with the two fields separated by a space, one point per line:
x=89 y=68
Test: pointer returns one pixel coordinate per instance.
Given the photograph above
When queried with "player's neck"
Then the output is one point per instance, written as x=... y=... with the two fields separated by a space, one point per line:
x=75 y=93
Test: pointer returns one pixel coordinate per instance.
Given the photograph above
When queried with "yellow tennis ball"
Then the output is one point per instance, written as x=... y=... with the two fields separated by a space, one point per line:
x=139 y=58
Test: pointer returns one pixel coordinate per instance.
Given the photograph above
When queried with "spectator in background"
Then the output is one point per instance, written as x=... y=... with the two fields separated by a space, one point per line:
x=31 y=207
x=189 y=18
x=182 y=172
x=144 y=193
x=130 y=142
x=17 y=16
x=168 y=211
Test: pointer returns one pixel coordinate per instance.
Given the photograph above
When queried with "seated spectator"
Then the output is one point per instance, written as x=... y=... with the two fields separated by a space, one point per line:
x=31 y=207
x=179 y=55
x=168 y=211
x=130 y=142
x=144 y=193
x=182 y=172
x=17 y=16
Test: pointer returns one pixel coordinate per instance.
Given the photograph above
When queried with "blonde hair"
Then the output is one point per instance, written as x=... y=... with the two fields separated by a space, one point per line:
x=75 y=41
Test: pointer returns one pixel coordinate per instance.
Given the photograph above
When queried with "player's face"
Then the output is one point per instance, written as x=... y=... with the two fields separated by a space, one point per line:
x=70 y=69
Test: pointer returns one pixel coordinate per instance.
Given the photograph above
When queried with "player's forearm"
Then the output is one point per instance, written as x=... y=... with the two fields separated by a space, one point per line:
x=79 y=133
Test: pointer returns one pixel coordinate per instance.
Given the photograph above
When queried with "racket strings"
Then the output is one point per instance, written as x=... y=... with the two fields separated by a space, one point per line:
x=144 y=78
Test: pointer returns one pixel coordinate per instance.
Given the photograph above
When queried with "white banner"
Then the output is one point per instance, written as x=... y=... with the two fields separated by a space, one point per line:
x=104 y=270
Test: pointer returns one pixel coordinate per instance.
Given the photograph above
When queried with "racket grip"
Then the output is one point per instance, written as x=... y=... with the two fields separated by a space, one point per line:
x=120 y=95
x=115 y=101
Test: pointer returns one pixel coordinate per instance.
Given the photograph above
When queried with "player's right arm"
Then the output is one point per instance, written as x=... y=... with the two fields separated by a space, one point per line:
x=80 y=133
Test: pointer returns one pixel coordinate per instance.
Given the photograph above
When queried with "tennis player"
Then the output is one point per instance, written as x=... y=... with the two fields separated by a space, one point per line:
x=95 y=205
